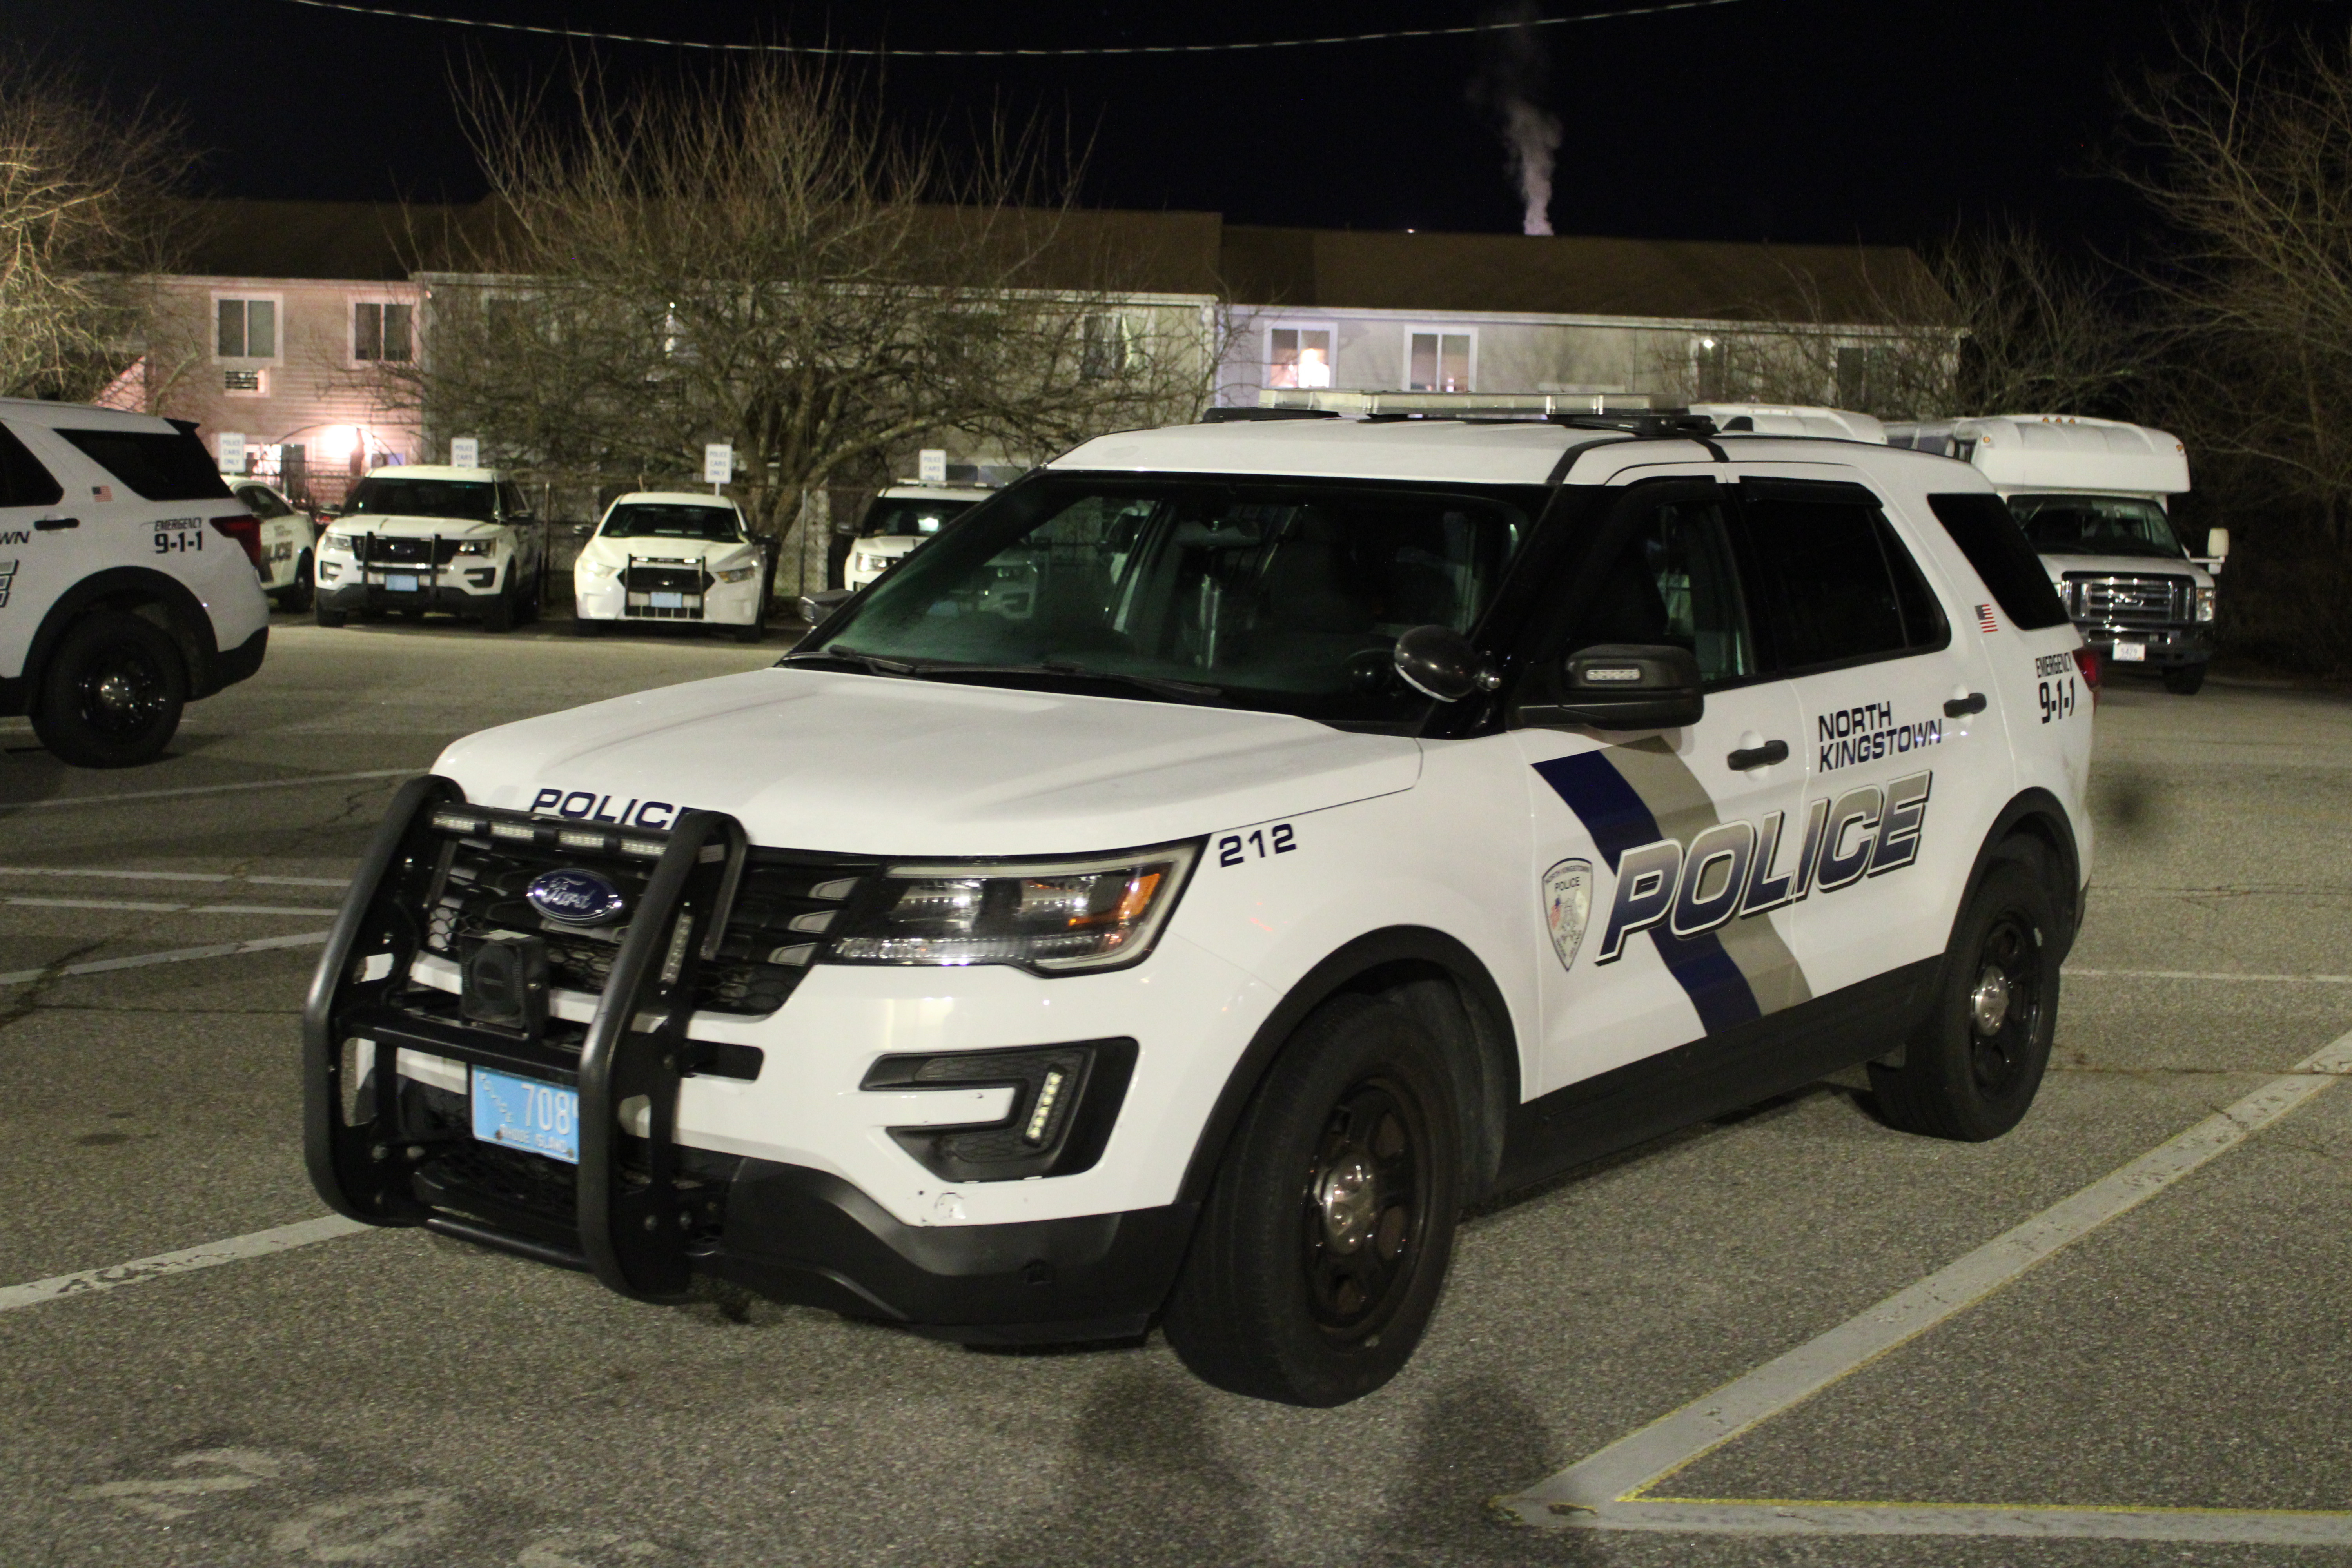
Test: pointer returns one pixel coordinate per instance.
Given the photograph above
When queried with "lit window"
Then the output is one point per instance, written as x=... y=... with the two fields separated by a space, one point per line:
x=1107 y=347
x=1440 y=362
x=1298 y=356
x=248 y=329
x=380 y=331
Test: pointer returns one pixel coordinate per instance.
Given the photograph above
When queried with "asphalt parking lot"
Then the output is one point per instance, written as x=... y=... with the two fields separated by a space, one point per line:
x=2178 y=1365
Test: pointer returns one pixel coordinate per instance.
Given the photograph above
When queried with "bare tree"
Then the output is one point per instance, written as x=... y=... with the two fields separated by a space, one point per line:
x=85 y=220
x=754 y=258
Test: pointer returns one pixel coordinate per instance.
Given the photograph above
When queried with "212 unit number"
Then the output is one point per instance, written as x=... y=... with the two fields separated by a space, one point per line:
x=1262 y=841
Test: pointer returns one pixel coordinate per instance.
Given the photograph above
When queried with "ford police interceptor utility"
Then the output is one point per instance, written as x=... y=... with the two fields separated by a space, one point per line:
x=420 y=538
x=128 y=579
x=902 y=516
x=1350 y=818
x=665 y=556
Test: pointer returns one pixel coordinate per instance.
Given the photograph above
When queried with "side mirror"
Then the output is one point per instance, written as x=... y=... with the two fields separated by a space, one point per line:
x=815 y=606
x=582 y=530
x=1625 y=686
x=2217 y=543
x=1440 y=662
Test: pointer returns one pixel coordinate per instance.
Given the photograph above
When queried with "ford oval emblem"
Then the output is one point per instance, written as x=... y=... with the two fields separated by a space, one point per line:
x=575 y=898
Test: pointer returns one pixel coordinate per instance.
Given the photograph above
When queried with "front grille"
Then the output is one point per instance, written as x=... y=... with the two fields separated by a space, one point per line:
x=664 y=579
x=2130 y=600
x=391 y=550
x=777 y=929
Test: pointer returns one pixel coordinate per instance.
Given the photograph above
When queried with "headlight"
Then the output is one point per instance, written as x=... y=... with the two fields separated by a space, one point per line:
x=735 y=574
x=476 y=546
x=599 y=569
x=1052 y=916
x=2205 y=603
x=872 y=563
x=342 y=543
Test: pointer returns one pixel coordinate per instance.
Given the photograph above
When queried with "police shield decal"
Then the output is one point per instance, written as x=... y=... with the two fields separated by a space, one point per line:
x=1568 y=906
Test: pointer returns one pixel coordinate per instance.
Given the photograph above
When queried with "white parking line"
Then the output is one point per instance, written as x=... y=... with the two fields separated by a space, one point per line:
x=76 y=873
x=1608 y=1489
x=2072 y=973
x=209 y=789
x=154 y=906
x=175 y=955
x=236 y=1249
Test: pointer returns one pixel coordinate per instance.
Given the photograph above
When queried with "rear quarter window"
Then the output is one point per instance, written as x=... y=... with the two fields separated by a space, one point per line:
x=23 y=480
x=156 y=464
x=1989 y=536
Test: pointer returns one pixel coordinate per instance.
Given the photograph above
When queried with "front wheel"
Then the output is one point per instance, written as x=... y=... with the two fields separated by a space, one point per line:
x=1323 y=1246
x=500 y=615
x=112 y=696
x=2183 y=679
x=754 y=631
x=1971 y=1070
x=296 y=596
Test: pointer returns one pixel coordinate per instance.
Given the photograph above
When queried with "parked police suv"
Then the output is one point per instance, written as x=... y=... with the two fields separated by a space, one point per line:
x=419 y=538
x=1179 y=889
x=128 y=579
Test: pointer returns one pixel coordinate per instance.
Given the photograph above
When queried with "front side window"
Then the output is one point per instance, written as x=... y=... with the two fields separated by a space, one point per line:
x=1278 y=595
x=1298 y=356
x=1438 y=362
x=668 y=519
x=1675 y=581
x=2096 y=525
x=1838 y=584
x=892 y=517
x=380 y=331
x=471 y=501
x=247 y=328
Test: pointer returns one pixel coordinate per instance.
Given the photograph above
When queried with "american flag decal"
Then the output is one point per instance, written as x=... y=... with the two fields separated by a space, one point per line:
x=1985 y=622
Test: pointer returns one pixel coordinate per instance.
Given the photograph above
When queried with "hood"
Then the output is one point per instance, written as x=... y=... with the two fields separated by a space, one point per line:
x=414 y=526
x=869 y=765
x=617 y=551
x=2060 y=566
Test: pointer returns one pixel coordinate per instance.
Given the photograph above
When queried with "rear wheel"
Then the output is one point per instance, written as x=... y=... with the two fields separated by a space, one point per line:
x=1971 y=1070
x=1323 y=1246
x=112 y=693
x=2183 y=679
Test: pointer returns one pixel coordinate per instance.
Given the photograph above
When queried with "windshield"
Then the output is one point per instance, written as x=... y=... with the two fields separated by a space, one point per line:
x=659 y=519
x=1280 y=594
x=473 y=500
x=2096 y=525
x=909 y=516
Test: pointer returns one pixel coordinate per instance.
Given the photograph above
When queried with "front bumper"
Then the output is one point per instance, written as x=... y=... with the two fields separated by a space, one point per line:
x=457 y=590
x=2167 y=646
x=720 y=605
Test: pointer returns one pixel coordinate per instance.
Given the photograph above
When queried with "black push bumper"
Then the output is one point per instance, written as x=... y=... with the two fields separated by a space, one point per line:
x=647 y=1215
x=357 y=597
x=2167 y=646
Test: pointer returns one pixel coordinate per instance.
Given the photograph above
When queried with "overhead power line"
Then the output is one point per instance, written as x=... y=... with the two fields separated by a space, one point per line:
x=886 y=51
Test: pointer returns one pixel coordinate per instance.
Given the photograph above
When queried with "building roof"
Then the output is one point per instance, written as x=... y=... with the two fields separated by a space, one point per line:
x=1190 y=253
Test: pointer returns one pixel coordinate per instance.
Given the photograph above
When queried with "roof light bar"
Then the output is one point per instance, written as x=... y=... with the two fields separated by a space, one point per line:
x=1544 y=404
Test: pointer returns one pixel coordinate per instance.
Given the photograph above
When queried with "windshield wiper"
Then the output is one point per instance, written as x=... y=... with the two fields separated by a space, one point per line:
x=866 y=662
x=1157 y=686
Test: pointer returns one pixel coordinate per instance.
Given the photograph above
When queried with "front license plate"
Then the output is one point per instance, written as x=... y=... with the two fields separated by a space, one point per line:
x=400 y=584
x=667 y=601
x=523 y=1114
x=2131 y=652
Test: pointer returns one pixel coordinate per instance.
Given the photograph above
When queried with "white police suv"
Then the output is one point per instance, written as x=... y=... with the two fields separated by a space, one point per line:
x=671 y=557
x=1337 y=820
x=128 y=579
x=418 y=538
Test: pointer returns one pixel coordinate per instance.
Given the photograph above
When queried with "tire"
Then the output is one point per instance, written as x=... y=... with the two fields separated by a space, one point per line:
x=326 y=617
x=112 y=693
x=1959 y=1078
x=297 y=598
x=500 y=615
x=754 y=631
x=1308 y=1291
x=2184 y=679
x=581 y=627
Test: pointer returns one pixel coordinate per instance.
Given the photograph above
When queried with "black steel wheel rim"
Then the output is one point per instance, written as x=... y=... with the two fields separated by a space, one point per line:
x=2000 y=1051
x=122 y=691
x=1365 y=1211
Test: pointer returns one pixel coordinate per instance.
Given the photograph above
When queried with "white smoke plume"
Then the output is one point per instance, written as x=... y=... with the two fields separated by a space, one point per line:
x=1509 y=82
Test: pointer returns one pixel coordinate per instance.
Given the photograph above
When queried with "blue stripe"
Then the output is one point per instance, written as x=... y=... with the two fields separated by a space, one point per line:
x=1614 y=814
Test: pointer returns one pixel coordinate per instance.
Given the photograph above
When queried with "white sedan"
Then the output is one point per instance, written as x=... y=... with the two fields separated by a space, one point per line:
x=671 y=557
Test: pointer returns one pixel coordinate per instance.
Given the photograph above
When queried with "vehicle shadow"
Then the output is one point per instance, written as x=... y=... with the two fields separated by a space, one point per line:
x=1475 y=1441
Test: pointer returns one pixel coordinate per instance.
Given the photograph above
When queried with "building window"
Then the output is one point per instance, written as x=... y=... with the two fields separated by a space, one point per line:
x=1298 y=356
x=246 y=382
x=1865 y=376
x=248 y=329
x=1107 y=347
x=380 y=331
x=1438 y=362
x=1711 y=370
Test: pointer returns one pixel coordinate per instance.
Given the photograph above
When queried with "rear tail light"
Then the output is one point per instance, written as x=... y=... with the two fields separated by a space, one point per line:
x=246 y=531
x=2086 y=659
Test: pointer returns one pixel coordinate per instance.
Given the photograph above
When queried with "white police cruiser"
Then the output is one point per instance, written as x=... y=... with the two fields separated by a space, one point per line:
x=128 y=579
x=671 y=557
x=902 y=516
x=1352 y=817
x=420 y=538
x=289 y=538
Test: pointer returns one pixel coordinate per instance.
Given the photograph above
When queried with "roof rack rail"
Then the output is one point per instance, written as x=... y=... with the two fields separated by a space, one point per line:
x=1245 y=414
x=1450 y=404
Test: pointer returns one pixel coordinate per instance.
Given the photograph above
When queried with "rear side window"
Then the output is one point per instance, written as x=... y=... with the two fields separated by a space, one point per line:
x=1989 y=536
x=1839 y=587
x=158 y=465
x=23 y=480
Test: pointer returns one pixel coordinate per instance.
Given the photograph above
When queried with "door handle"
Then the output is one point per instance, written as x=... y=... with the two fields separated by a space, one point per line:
x=1762 y=756
x=47 y=523
x=1960 y=707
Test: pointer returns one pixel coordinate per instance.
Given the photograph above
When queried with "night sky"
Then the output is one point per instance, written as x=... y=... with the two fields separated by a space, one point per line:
x=1826 y=120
